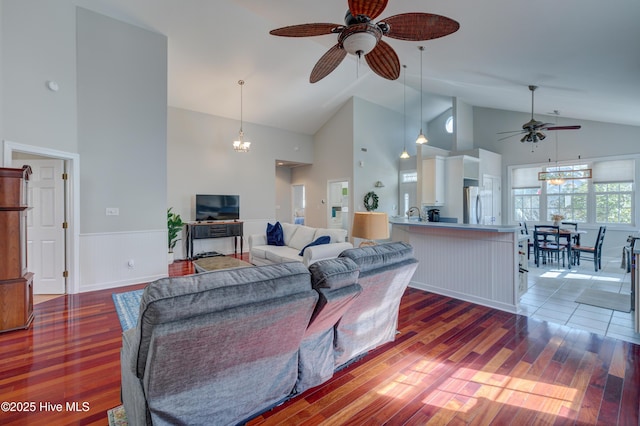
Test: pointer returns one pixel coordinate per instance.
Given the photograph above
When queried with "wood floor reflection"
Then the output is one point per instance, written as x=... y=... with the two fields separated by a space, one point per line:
x=452 y=363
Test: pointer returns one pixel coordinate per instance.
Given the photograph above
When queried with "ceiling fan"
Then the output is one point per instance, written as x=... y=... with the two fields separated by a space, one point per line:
x=360 y=36
x=533 y=128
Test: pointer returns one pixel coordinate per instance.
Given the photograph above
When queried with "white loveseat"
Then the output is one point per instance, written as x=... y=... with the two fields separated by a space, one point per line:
x=296 y=237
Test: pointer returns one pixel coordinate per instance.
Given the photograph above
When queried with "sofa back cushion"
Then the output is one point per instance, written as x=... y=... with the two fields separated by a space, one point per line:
x=175 y=299
x=337 y=235
x=288 y=230
x=302 y=237
x=385 y=272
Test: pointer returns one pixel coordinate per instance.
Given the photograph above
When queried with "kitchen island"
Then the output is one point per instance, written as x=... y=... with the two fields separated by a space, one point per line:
x=476 y=263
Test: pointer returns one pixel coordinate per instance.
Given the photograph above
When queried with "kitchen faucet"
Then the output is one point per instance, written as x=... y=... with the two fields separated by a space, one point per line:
x=412 y=209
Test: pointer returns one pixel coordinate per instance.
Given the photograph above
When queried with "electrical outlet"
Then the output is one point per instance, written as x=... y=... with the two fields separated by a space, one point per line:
x=113 y=211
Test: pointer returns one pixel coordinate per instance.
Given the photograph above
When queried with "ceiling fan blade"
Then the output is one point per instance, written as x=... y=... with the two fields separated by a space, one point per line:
x=563 y=128
x=513 y=131
x=327 y=63
x=419 y=26
x=384 y=61
x=510 y=136
x=370 y=8
x=304 y=30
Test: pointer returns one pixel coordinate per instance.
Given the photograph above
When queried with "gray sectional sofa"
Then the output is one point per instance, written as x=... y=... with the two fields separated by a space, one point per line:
x=223 y=346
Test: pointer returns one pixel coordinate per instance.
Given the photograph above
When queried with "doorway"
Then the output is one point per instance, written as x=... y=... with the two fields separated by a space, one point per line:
x=45 y=219
x=65 y=253
x=298 y=204
x=338 y=205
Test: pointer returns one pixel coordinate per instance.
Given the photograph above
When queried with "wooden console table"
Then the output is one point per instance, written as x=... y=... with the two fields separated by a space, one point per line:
x=206 y=230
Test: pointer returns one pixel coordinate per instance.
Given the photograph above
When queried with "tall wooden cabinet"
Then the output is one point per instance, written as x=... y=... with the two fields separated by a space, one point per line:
x=16 y=283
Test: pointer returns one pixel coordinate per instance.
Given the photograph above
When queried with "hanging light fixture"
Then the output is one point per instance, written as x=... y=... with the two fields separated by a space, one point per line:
x=422 y=139
x=405 y=154
x=558 y=179
x=240 y=145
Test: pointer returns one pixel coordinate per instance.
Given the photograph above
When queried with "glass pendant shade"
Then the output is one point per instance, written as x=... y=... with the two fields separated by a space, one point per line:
x=404 y=154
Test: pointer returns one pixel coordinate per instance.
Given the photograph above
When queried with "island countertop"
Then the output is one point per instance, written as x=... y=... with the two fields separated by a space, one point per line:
x=463 y=226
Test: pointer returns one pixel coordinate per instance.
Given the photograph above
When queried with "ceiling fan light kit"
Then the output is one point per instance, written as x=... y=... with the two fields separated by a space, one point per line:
x=360 y=36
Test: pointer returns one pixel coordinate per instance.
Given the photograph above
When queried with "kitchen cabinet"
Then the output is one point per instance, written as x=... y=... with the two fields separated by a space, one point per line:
x=433 y=181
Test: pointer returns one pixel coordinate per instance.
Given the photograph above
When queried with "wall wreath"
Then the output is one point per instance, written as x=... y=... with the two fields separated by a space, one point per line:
x=370 y=201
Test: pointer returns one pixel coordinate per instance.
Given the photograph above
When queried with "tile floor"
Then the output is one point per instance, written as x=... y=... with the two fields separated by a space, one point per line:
x=553 y=290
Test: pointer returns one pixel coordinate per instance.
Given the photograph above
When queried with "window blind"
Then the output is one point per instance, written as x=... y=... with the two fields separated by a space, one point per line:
x=525 y=177
x=613 y=171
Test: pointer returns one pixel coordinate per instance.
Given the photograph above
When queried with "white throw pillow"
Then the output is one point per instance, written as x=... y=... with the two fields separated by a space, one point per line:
x=302 y=237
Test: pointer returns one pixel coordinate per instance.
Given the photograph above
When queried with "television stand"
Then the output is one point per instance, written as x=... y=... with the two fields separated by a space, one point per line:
x=207 y=230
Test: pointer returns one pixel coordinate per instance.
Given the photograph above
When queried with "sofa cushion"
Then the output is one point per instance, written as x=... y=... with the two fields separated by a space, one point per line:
x=275 y=237
x=288 y=230
x=302 y=237
x=281 y=254
x=333 y=273
x=325 y=239
x=337 y=235
x=177 y=298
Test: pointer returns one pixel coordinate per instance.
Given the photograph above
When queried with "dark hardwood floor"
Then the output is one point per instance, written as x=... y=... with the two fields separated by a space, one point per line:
x=452 y=363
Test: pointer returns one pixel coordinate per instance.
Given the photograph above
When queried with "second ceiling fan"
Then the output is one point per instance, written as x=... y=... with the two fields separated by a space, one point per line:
x=533 y=128
x=362 y=37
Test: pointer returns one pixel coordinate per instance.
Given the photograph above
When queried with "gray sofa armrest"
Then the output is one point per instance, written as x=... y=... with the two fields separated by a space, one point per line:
x=324 y=251
x=132 y=393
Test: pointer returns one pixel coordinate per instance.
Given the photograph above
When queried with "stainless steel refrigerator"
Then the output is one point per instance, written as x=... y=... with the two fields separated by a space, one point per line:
x=472 y=205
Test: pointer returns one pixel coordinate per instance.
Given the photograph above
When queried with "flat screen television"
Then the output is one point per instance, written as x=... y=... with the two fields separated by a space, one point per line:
x=217 y=207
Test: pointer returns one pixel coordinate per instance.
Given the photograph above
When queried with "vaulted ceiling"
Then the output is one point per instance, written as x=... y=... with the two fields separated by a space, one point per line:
x=583 y=54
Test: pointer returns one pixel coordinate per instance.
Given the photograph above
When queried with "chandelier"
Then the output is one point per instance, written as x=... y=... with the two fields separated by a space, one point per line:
x=240 y=145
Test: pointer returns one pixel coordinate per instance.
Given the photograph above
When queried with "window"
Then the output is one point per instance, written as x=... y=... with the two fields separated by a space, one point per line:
x=448 y=125
x=607 y=198
x=526 y=203
x=411 y=176
x=613 y=188
x=568 y=199
x=526 y=194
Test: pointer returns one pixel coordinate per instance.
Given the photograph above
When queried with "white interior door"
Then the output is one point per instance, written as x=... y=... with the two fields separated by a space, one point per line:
x=46 y=244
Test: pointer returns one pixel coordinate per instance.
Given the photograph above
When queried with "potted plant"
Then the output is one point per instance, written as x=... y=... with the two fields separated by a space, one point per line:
x=174 y=225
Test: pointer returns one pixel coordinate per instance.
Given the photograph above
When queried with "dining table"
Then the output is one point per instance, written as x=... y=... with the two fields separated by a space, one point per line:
x=567 y=234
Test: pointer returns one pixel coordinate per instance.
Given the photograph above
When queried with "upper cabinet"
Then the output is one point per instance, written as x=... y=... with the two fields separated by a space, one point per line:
x=433 y=181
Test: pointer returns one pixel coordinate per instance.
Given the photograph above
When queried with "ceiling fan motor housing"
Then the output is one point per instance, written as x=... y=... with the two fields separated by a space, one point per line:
x=360 y=39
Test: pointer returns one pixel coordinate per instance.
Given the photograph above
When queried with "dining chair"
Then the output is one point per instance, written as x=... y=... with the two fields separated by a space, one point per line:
x=547 y=244
x=525 y=231
x=595 y=250
x=574 y=226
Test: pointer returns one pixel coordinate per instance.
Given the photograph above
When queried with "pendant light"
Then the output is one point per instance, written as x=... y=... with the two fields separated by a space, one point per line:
x=240 y=145
x=556 y=180
x=405 y=154
x=422 y=139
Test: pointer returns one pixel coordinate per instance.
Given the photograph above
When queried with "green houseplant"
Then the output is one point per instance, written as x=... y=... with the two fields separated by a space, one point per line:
x=174 y=226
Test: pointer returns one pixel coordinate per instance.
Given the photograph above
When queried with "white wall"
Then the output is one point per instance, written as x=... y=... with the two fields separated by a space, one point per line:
x=332 y=160
x=201 y=160
x=437 y=134
x=117 y=73
x=379 y=131
x=38 y=45
x=283 y=195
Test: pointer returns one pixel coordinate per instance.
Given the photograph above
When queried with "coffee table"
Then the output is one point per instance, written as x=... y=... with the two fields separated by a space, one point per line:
x=218 y=262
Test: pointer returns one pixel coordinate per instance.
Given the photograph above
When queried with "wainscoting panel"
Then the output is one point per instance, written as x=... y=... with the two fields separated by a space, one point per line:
x=105 y=257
